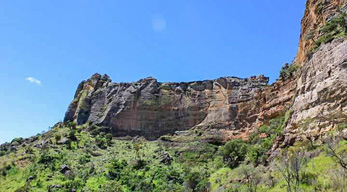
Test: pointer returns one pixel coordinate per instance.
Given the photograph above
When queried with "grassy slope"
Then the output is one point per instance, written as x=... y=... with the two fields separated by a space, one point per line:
x=120 y=167
x=91 y=164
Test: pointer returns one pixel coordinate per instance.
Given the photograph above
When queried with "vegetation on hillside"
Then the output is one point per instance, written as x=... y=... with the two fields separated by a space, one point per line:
x=288 y=71
x=85 y=158
x=335 y=28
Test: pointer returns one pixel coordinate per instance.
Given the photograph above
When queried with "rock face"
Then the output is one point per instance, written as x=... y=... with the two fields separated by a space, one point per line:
x=321 y=101
x=151 y=109
x=316 y=15
x=314 y=99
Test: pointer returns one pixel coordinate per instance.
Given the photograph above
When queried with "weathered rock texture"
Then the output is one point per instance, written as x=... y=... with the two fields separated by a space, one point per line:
x=151 y=109
x=321 y=100
x=316 y=15
x=313 y=99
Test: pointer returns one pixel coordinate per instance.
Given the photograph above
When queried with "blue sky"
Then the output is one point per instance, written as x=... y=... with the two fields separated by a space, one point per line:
x=48 y=47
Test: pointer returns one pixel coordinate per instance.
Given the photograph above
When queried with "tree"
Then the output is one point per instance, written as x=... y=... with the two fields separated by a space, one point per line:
x=340 y=156
x=290 y=166
x=234 y=152
x=251 y=176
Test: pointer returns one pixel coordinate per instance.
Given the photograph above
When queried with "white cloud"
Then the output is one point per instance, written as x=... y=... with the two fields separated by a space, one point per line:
x=158 y=23
x=33 y=80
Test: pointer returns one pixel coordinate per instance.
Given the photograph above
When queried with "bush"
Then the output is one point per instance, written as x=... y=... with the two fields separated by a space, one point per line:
x=234 y=152
x=192 y=179
x=2 y=153
x=115 y=168
x=101 y=142
x=308 y=178
x=72 y=184
x=95 y=132
x=57 y=137
x=84 y=159
x=108 y=138
x=71 y=125
x=335 y=27
x=256 y=155
x=310 y=35
x=275 y=126
x=18 y=140
x=288 y=71
x=138 y=164
x=111 y=187
x=72 y=135
x=68 y=144
x=45 y=157
x=23 y=188
x=264 y=129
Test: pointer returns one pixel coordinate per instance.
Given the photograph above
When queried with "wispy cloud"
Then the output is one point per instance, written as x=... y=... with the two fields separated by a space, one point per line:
x=33 y=80
x=158 y=23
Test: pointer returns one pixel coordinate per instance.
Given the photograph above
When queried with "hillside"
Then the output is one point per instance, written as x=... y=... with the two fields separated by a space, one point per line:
x=227 y=134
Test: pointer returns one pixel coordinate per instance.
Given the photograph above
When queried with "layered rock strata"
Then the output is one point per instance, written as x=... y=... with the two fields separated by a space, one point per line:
x=313 y=99
x=151 y=109
x=317 y=14
x=321 y=100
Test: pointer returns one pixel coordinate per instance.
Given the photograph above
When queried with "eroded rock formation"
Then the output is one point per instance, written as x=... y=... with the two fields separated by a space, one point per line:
x=316 y=15
x=313 y=98
x=151 y=108
x=321 y=100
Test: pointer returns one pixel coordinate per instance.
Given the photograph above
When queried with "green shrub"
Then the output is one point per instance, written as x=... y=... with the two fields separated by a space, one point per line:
x=234 y=152
x=192 y=180
x=23 y=188
x=115 y=168
x=85 y=158
x=95 y=132
x=100 y=142
x=57 y=137
x=138 y=164
x=2 y=153
x=310 y=35
x=72 y=184
x=45 y=157
x=308 y=178
x=18 y=140
x=275 y=125
x=72 y=135
x=334 y=28
x=29 y=150
x=319 y=8
x=341 y=126
x=108 y=138
x=111 y=187
x=256 y=155
x=68 y=144
x=288 y=71
x=71 y=125
x=264 y=129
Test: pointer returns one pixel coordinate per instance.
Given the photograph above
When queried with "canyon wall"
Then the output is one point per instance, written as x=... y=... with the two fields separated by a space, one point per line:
x=321 y=93
x=316 y=15
x=313 y=97
x=151 y=108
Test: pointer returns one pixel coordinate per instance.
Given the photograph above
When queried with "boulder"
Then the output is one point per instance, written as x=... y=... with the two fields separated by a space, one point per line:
x=166 y=159
x=64 y=169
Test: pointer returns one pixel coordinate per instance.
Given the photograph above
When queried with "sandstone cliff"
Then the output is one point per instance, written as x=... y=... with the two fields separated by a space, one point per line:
x=313 y=97
x=316 y=15
x=151 y=108
x=321 y=100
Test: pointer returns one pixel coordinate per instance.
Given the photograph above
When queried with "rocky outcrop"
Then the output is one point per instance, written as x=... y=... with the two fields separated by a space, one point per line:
x=151 y=108
x=277 y=99
x=313 y=98
x=321 y=100
x=316 y=15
